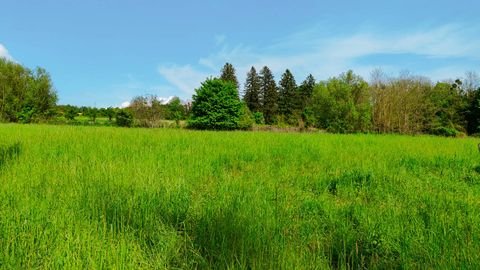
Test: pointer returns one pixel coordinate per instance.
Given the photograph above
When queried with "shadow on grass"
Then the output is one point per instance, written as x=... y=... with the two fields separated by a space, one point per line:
x=219 y=236
x=156 y=218
x=8 y=153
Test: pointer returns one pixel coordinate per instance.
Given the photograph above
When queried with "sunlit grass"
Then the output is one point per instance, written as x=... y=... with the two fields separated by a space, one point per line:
x=104 y=197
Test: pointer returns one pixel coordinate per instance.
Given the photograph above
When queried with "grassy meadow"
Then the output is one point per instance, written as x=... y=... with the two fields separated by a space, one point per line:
x=75 y=197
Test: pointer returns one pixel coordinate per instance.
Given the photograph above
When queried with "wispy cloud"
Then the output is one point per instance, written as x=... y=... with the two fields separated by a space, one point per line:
x=4 y=53
x=310 y=51
x=185 y=78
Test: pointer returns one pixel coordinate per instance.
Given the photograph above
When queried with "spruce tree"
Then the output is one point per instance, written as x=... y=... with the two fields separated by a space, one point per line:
x=252 y=91
x=287 y=92
x=228 y=74
x=304 y=92
x=269 y=95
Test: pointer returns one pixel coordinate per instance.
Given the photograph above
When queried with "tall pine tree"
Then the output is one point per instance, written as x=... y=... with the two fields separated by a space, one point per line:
x=228 y=74
x=287 y=93
x=304 y=93
x=269 y=95
x=252 y=91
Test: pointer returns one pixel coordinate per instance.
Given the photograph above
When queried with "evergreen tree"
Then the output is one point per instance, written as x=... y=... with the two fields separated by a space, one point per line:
x=287 y=93
x=269 y=95
x=252 y=91
x=228 y=74
x=304 y=93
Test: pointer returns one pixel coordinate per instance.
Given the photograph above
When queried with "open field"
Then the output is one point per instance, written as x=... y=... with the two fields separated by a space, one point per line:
x=103 y=197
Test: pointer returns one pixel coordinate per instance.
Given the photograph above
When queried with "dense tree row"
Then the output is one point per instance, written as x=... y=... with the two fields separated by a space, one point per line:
x=347 y=103
x=25 y=95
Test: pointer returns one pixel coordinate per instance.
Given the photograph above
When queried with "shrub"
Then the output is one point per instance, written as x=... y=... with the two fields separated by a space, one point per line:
x=246 y=118
x=124 y=118
x=216 y=106
x=259 y=119
x=445 y=131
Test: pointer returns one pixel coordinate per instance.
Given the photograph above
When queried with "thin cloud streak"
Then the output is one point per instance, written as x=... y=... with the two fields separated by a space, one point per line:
x=309 y=52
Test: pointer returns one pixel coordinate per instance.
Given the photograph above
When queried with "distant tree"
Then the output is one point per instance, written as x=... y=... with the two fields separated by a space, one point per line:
x=228 y=75
x=109 y=113
x=139 y=107
x=471 y=101
x=287 y=95
x=258 y=118
x=176 y=110
x=92 y=113
x=400 y=104
x=25 y=95
x=269 y=95
x=70 y=112
x=43 y=97
x=246 y=119
x=342 y=104
x=446 y=106
x=471 y=83
x=252 y=91
x=216 y=106
x=148 y=111
x=304 y=92
x=473 y=113
x=124 y=118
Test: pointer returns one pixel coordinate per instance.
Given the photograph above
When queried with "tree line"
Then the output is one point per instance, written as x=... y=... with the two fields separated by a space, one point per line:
x=25 y=95
x=346 y=103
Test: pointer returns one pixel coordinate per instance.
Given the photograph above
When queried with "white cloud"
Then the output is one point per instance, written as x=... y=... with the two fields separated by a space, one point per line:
x=184 y=78
x=4 y=53
x=310 y=51
x=125 y=104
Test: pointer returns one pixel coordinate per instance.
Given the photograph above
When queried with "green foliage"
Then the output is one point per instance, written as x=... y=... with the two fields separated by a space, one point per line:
x=472 y=114
x=124 y=118
x=252 y=91
x=92 y=113
x=176 y=110
x=304 y=93
x=269 y=95
x=26 y=115
x=70 y=113
x=25 y=95
x=258 y=118
x=215 y=106
x=246 y=120
x=108 y=112
x=445 y=131
x=342 y=104
x=446 y=105
x=287 y=98
x=228 y=75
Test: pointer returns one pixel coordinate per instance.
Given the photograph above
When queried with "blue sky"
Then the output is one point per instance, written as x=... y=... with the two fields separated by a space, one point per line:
x=104 y=52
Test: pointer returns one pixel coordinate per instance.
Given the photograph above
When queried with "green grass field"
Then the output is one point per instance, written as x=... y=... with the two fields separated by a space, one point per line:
x=112 y=198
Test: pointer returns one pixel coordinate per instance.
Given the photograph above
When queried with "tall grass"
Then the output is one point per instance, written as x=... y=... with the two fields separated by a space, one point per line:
x=101 y=198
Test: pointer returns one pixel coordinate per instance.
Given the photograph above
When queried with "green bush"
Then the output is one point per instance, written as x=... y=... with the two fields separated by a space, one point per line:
x=216 y=106
x=445 y=131
x=246 y=118
x=124 y=118
x=259 y=119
